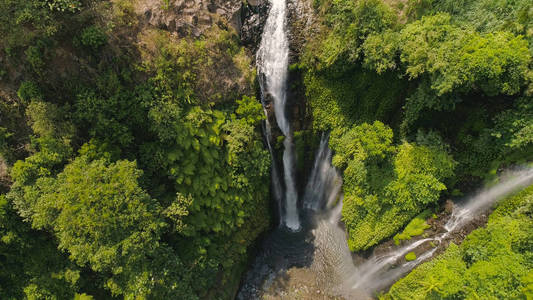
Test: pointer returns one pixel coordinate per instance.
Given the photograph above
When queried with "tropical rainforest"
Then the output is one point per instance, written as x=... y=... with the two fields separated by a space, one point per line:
x=133 y=163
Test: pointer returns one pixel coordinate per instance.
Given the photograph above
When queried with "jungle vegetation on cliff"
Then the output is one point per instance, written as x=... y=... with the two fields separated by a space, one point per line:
x=132 y=164
x=425 y=100
x=125 y=172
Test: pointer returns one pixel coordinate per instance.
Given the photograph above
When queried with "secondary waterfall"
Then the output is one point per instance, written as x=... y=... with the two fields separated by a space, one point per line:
x=272 y=63
x=511 y=182
x=377 y=271
x=332 y=258
x=325 y=181
x=321 y=247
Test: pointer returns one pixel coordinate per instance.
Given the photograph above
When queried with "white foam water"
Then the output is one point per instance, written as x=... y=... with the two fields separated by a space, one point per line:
x=272 y=63
x=333 y=260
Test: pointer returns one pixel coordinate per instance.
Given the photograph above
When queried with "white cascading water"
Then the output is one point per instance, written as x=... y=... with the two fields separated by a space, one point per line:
x=376 y=273
x=333 y=260
x=272 y=62
x=512 y=181
x=324 y=180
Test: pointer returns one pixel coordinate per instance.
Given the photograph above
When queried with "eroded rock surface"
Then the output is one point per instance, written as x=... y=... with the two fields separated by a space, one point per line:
x=300 y=20
x=190 y=17
x=255 y=14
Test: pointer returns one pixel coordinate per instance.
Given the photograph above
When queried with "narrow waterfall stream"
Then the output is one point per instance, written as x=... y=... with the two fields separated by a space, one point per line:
x=272 y=65
x=380 y=271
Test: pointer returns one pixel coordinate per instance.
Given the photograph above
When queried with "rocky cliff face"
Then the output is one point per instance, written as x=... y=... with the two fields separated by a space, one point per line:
x=133 y=29
x=255 y=13
x=222 y=76
x=300 y=26
x=300 y=21
x=194 y=17
x=190 y=17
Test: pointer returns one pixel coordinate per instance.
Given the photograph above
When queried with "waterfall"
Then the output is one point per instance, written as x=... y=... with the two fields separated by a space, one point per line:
x=324 y=252
x=512 y=181
x=333 y=260
x=272 y=62
x=377 y=273
x=374 y=273
x=324 y=180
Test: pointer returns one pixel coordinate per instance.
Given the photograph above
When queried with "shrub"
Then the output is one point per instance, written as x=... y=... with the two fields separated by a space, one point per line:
x=351 y=22
x=28 y=91
x=410 y=256
x=34 y=56
x=414 y=228
x=64 y=5
x=93 y=37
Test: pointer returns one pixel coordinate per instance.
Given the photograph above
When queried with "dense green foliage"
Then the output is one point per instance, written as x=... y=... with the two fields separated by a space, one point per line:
x=449 y=60
x=415 y=227
x=132 y=166
x=448 y=79
x=102 y=218
x=31 y=266
x=127 y=169
x=492 y=263
x=385 y=185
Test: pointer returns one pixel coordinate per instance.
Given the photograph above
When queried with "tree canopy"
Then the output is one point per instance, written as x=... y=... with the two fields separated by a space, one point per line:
x=386 y=185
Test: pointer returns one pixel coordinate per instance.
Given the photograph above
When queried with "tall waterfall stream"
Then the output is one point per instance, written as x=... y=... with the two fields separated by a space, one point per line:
x=272 y=64
x=311 y=239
